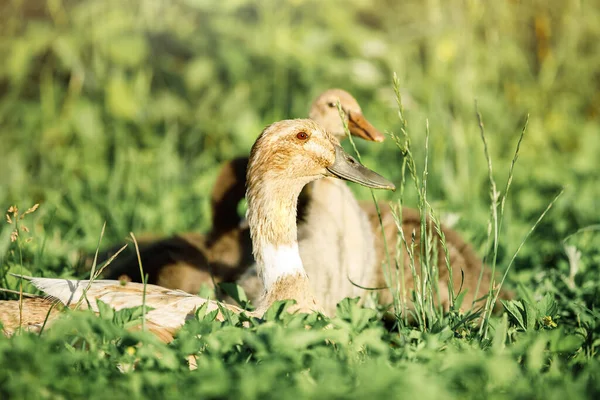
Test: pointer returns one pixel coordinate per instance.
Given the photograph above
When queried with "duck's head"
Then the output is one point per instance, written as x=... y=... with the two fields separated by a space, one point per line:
x=324 y=110
x=294 y=152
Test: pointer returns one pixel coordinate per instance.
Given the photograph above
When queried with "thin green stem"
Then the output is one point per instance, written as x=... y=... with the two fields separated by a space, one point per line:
x=494 y=222
x=144 y=280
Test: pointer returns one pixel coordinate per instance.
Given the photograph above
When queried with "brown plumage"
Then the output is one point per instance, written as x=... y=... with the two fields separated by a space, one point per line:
x=36 y=310
x=34 y=313
x=190 y=260
x=466 y=264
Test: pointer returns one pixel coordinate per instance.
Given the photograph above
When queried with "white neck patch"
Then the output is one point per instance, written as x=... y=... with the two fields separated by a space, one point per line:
x=280 y=261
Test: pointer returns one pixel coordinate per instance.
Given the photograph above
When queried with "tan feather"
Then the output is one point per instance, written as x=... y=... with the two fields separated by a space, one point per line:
x=32 y=310
x=171 y=307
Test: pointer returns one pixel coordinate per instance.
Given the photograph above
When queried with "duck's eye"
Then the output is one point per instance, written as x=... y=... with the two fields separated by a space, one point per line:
x=331 y=104
x=302 y=135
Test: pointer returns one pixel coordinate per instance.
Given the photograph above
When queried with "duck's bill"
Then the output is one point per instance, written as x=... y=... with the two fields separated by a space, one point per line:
x=360 y=127
x=346 y=167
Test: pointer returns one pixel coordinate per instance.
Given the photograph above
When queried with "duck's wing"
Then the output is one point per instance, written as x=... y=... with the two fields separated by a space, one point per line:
x=170 y=308
x=29 y=314
x=187 y=248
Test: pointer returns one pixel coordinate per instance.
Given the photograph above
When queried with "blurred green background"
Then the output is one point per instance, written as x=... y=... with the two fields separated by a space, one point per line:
x=122 y=111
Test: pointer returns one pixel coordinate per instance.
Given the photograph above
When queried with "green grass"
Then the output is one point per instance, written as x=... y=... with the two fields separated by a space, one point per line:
x=121 y=113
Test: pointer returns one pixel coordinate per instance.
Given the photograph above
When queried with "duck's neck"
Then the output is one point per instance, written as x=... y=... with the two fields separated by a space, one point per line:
x=272 y=221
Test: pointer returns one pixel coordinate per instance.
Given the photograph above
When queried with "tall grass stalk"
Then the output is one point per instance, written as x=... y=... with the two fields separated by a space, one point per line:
x=16 y=237
x=492 y=224
x=438 y=228
x=404 y=145
x=144 y=280
x=96 y=274
x=397 y=214
x=496 y=219
x=410 y=251
x=527 y=235
x=424 y=259
x=47 y=317
x=93 y=269
x=398 y=285
x=109 y=261
x=18 y=292
x=425 y=280
x=92 y=272
x=511 y=171
x=400 y=276
x=20 y=277
x=488 y=309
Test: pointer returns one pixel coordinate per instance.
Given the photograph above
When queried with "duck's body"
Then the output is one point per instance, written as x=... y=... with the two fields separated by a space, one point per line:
x=33 y=314
x=170 y=307
x=287 y=155
x=336 y=244
x=465 y=264
x=188 y=261
x=28 y=314
x=191 y=260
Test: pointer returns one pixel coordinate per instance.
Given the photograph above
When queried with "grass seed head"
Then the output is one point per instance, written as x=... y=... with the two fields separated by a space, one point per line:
x=31 y=209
